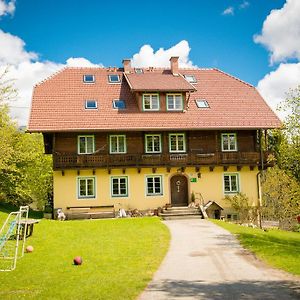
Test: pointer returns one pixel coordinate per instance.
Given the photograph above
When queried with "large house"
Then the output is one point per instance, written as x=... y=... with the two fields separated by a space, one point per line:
x=145 y=137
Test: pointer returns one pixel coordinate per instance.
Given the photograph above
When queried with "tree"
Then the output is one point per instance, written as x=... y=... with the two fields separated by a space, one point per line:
x=281 y=197
x=289 y=143
x=25 y=172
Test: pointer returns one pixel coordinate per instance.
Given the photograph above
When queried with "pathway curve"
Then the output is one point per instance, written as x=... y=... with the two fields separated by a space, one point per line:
x=206 y=262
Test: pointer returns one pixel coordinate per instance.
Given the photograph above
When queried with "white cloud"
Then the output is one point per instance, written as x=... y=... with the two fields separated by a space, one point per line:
x=12 y=50
x=7 y=7
x=281 y=32
x=244 y=5
x=229 y=11
x=161 y=58
x=274 y=86
x=81 y=62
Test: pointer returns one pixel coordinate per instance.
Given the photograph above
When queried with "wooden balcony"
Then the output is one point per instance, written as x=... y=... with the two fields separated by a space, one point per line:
x=74 y=161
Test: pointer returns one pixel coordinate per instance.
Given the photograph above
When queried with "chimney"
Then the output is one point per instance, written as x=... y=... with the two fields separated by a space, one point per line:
x=174 y=65
x=127 y=66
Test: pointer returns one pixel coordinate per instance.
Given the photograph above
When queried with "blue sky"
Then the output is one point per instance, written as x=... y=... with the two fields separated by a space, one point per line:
x=108 y=31
x=44 y=35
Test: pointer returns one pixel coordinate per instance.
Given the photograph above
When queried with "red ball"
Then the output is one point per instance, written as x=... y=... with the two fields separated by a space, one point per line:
x=77 y=260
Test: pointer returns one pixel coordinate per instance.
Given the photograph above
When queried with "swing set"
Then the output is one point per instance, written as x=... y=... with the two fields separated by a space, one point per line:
x=12 y=236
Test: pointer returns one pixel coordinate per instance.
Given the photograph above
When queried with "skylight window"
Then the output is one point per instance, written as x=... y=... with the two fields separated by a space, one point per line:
x=139 y=71
x=91 y=104
x=119 y=104
x=114 y=78
x=190 y=78
x=88 y=78
x=201 y=103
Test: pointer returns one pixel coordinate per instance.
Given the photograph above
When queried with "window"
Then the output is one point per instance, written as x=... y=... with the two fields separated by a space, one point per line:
x=190 y=78
x=154 y=185
x=231 y=183
x=119 y=186
x=177 y=142
x=86 y=187
x=117 y=144
x=114 y=78
x=174 y=102
x=150 y=101
x=91 y=104
x=139 y=71
x=229 y=142
x=152 y=143
x=88 y=78
x=201 y=103
x=86 y=144
x=119 y=104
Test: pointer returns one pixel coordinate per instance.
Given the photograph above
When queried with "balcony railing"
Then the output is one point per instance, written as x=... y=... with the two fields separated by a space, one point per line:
x=68 y=161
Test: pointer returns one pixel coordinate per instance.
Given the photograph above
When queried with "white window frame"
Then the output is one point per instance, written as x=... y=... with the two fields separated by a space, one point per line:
x=110 y=144
x=151 y=104
x=78 y=144
x=184 y=143
x=173 y=99
x=87 y=81
x=227 y=135
x=161 y=192
x=202 y=103
x=114 y=82
x=86 y=197
x=192 y=78
x=237 y=175
x=119 y=189
x=146 y=143
x=118 y=100
x=91 y=100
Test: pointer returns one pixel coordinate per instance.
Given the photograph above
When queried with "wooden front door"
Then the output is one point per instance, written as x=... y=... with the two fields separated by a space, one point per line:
x=179 y=191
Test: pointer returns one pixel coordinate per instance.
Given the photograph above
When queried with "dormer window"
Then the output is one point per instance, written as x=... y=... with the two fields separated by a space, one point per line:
x=114 y=78
x=202 y=103
x=119 y=104
x=150 y=102
x=91 y=104
x=190 y=78
x=174 y=102
x=88 y=78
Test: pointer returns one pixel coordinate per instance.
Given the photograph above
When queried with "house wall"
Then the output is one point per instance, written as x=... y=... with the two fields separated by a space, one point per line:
x=210 y=185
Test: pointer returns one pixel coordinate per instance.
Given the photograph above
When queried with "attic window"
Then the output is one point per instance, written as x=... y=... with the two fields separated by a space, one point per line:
x=201 y=103
x=139 y=71
x=88 y=78
x=190 y=78
x=114 y=78
x=91 y=104
x=119 y=104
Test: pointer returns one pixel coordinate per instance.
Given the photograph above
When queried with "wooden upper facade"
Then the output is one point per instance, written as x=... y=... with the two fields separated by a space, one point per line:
x=154 y=149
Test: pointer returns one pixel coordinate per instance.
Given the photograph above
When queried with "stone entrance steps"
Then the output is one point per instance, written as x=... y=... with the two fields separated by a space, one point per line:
x=184 y=212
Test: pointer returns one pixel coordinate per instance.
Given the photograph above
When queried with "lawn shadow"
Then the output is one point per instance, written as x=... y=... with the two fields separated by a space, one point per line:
x=254 y=290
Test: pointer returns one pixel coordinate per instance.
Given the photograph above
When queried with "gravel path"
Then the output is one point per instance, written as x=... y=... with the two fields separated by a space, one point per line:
x=206 y=262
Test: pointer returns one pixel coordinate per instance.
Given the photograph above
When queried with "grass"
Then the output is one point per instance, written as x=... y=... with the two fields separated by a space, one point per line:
x=120 y=257
x=278 y=248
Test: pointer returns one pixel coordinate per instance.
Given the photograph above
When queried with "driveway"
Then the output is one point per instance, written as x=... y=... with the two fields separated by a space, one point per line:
x=206 y=262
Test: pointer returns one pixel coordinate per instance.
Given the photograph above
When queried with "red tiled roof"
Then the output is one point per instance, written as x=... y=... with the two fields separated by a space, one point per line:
x=58 y=104
x=158 y=81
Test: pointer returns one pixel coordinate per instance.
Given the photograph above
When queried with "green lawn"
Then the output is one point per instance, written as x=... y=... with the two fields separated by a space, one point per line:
x=119 y=259
x=278 y=248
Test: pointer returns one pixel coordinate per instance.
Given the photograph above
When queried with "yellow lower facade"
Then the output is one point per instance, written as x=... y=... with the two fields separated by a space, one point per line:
x=206 y=183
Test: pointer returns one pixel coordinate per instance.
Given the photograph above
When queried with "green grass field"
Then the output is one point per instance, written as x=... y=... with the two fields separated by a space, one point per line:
x=278 y=248
x=120 y=257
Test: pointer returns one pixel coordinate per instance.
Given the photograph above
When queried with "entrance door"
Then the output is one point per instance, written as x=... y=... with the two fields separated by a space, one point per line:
x=179 y=191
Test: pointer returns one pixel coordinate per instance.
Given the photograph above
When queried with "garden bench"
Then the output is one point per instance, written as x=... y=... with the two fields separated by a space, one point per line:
x=90 y=212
